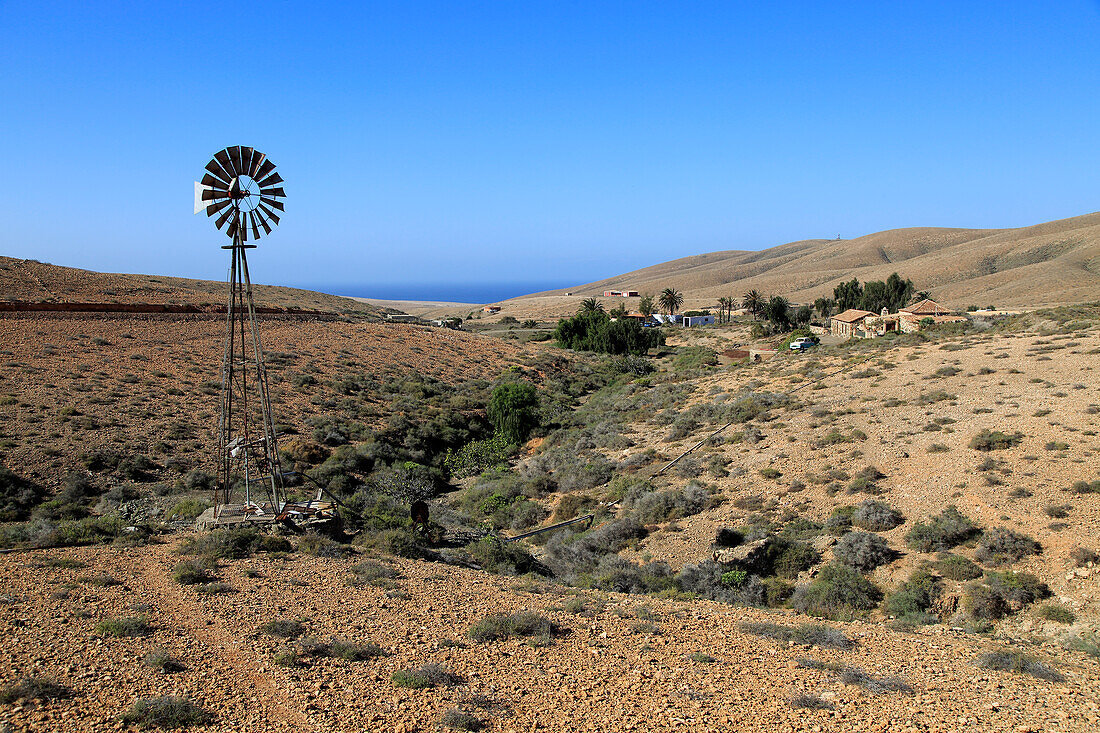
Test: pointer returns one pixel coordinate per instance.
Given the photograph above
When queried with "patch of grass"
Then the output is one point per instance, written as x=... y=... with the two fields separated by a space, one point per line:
x=61 y=563
x=39 y=689
x=770 y=473
x=218 y=587
x=99 y=580
x=354 y=652
x=430 y=675
x=1011 y=660
x=499 y=626
x=701 y=658
x=808 y=634
x=124 y=627
x=318 y=545
x=371 y=572
x=229 y=544
x=1056 y=612
x=166 y=712
x=1087 y=642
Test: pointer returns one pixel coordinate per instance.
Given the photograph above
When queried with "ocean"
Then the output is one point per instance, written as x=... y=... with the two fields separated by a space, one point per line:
x=449 y=292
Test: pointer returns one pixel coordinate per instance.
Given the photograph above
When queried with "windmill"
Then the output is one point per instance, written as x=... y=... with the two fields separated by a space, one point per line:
x=241 y=188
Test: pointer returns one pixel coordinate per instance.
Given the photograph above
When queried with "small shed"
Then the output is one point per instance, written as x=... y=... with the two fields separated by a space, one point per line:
x=706 y=320
x=847 y=324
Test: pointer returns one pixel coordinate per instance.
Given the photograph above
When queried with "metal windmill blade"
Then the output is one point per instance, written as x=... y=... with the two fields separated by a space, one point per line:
x=240 y=187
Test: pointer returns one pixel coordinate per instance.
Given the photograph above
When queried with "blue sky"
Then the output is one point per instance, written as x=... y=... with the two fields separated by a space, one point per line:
x=505 y=141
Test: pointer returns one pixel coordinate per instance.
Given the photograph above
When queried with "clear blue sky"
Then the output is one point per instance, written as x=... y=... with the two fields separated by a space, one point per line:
x=505 y=141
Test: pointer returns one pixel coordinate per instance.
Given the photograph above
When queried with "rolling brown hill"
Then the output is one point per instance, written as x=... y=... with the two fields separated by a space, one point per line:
x=38 y=282
x=1048 y=264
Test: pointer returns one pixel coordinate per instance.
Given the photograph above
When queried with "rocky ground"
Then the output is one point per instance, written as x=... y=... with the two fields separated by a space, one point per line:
x=618 y=662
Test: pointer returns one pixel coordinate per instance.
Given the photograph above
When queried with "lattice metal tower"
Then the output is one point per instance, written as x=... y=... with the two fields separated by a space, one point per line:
x=241 y=189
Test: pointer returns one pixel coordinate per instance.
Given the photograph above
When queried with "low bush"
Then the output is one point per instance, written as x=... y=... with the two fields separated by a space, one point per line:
x=162 y=661
x=455 y=719
x=505 y=558
x=123 y=627
x=618 y=574
x=18 y=496
x=338 y=648
x=855 y=676
x=956 y=567
x=39 y=689
x=1057 y=613
x=656 y=507
x=988 y=440
x=500 y=626
x=911 y=602
x=942 y=532
x=1000 y=594
x=283 y=628
x=810 y=702
x=193 y=572
x=216 y=588
x=317 y=545
x=166 y=712
x=1001 y=546
x=370 y=572
x=1010 y=660
x=808 y=634
x=430 y=675
x=229 y=544
x=876 y=516
x=863 y=551
x=838 y=592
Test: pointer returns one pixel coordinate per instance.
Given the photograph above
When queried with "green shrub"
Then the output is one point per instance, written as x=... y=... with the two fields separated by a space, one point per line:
x=499 y=626
x=370 y=572
x=352 y=651
x=810 y=702
x=397 y=542
x=318 y=545
x=595 y=331
x=216 y=588
x=988 y=440
x=505 y=558
x=192 y=572
x=166 y=712
x=33 y=688
x=229 y=544
x=838 y=592
x=911 y=602
x=187 y=509
x=123 y=627
x=1001 y=546
x=942 y=532
x=956 y=567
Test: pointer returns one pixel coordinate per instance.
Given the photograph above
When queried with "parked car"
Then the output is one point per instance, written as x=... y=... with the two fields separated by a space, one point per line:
x=802 y=343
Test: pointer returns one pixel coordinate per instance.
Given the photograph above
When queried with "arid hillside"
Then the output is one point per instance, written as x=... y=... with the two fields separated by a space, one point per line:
x=1047 y=264
x=37 y=282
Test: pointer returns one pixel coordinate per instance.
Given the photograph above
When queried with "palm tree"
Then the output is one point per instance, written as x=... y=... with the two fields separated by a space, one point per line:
x=671 y=300
x=777 y=310
x=590 y=305
x=754 y=302
x=723 y=306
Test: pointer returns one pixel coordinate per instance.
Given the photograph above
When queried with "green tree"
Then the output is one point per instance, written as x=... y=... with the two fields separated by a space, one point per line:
x=824 y=306
x=802 y=315
x=777 y=312
x=513 y=410
x=671 y=300
x=848 y=295
x=645 y=306
x=754 y=302
x=725 y=306
x=619 y=311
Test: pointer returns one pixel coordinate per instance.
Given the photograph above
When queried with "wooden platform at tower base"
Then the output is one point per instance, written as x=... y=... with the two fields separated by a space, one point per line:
x=300 y=514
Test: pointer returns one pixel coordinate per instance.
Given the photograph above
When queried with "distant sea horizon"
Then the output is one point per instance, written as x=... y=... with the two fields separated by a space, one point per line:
x=467 y=292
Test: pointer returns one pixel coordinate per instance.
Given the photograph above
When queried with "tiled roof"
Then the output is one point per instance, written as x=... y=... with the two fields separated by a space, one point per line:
x=852 y=315
x=927 y=308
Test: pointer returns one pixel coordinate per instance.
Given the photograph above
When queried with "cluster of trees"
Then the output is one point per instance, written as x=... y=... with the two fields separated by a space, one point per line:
x=873 y=295
x=776 y=310
x=593 y=330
